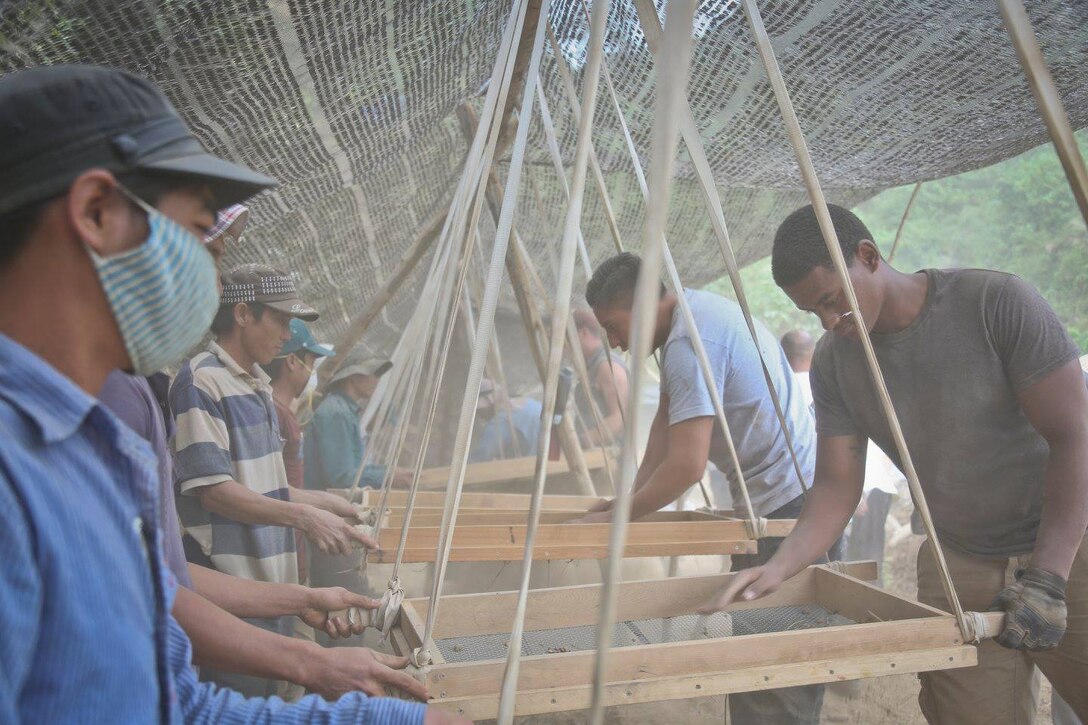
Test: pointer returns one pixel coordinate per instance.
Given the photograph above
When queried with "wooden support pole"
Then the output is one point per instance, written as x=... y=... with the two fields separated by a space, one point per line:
x=1046 y=96
x=903 y=220
x=517 y=80
x=517 y=269
x=415 y=252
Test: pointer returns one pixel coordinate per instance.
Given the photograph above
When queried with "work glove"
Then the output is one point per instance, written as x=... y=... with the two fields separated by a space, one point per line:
x=1034 y=607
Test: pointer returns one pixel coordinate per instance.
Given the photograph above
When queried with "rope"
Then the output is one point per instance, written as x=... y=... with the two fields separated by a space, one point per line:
x=903 y=220
x=485 y=324
x=560 y=321
x=417 y=468
x=671 y=85
x=576 y=112
x=697 y=153
x=700 y=351
x=819 y=204
x=839 y=567
x=472 y=178
x=434 y=375
x=381 y=399
x=433 y=394
x=604 y=435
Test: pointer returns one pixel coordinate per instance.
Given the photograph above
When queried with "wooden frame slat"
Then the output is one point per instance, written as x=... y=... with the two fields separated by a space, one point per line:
x=570 y=541
x=893 y=636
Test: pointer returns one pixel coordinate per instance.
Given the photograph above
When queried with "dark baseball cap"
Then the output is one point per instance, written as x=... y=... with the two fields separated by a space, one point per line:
x=303 y=340
x=270 y=287
x=58 y=121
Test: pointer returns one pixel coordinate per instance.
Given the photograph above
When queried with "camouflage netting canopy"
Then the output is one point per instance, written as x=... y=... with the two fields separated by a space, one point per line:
x=351 y=106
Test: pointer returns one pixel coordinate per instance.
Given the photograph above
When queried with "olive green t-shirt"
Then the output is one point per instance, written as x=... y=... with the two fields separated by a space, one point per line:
x=954 y=374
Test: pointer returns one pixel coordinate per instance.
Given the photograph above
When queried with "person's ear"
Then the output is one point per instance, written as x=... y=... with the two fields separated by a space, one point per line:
x=100 y=216
x=868 y=255
x=242 y=314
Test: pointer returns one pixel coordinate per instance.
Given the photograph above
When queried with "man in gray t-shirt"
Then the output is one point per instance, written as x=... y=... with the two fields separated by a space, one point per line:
x=685 y=433
x=757 y=434
x=994 y=409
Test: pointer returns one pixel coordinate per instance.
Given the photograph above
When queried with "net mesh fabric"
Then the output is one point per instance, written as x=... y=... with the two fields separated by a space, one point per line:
x=351 y=106
x=633 y=633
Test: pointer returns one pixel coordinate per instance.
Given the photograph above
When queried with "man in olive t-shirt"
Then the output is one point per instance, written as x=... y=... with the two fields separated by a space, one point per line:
x=988 y=388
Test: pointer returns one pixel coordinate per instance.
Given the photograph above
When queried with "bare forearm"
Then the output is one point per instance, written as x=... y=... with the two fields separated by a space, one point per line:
x=1065 y=508
x=323 y=500
x=666 y=484
x=656 y=448
x=235 y=501
x=826 y=512
x=222 y=641
x=246 y=598
x=613 y=423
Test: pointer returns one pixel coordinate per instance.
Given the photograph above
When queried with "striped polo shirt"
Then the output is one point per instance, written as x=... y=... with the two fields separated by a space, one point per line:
x=226 y=429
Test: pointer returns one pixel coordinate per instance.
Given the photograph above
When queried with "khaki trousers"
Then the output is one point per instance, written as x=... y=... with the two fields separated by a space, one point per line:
x=1003 y=687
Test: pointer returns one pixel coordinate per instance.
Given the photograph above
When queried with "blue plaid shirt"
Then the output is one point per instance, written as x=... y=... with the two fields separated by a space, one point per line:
x=86 y=634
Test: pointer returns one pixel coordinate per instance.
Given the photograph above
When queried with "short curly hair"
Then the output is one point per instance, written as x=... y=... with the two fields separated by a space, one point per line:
x=799 y=244
x=613 y=282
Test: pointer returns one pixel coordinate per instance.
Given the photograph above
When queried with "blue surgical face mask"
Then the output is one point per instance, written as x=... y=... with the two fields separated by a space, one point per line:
x=162 y=293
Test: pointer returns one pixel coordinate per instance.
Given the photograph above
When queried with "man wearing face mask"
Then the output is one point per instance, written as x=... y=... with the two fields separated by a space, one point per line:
x=290 y=374
x=235 y=505
x=105 y=190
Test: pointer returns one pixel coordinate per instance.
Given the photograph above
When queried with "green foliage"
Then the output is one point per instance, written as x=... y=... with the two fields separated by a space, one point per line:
x=1017 y=216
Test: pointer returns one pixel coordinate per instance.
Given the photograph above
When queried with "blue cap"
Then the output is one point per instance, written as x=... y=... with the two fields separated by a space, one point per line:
x=303 y=339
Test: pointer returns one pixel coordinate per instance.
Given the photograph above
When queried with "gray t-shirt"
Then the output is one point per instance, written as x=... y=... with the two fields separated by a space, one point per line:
x=761 y=445
x=953 y=375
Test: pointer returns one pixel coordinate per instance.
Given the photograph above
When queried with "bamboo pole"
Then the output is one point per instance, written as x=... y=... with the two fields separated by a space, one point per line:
x=903 y=220
x=517 y=269
x=1047 y=97
x=408 y=261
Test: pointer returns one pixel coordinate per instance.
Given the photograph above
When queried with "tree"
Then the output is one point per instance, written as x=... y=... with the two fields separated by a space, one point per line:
x=1018 y=216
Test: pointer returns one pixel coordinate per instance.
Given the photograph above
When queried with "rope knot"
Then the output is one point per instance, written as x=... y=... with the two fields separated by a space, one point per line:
x=757 y=527
x=366 y=514
x=840 y=567
x=420 y=658
x=977 y=627
x=389 y=609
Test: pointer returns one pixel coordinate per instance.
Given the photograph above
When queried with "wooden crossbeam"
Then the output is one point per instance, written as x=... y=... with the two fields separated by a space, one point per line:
x=506 y=501
x=569 y=541
x=496 y=517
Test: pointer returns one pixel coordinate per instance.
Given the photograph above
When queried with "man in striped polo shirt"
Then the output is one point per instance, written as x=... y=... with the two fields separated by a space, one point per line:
x=235 y=505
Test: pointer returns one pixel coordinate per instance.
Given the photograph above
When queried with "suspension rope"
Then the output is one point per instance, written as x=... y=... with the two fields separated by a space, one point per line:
x=671 y=86
x=823 y=216
x=697 y=153
x=485 y=325
x=604 y=435
x=470 y=187
x=390 y=384
x=448 y=291
x=560 y=318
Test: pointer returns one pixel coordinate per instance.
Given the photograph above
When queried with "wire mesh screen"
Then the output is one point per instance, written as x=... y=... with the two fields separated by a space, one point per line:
x=685 y=628
x=350 y=105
